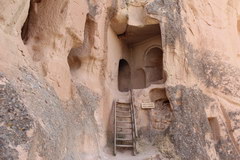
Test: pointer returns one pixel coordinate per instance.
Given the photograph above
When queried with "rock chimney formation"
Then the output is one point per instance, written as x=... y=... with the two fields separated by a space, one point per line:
x=64 y=62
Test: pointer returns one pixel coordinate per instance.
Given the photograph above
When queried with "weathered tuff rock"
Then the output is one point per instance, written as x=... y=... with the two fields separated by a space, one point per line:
x=59 y=74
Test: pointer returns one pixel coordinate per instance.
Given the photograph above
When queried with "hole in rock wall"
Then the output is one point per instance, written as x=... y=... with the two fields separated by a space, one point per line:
x=73 y=59
x=124 y=76
x=213 y=122
x=134 y=35
x=142 y=49
x=24 y=33
x=24 y=30
x=154 y=65
x=161 y=115
x=31 y=13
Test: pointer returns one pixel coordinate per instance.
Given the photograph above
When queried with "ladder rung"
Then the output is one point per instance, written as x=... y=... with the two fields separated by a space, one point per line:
x=125 y=127
x=124 y=145
x=123 y=111
x=124 y=139
x=127 y=107
x=124 y=121
x=124 y=133
x=123 y=103
x=123 y=116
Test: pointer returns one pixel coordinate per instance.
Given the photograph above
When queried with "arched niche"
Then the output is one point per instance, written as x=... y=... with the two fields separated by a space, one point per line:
x=124 y=76
x=154 y=65
x=139 y=79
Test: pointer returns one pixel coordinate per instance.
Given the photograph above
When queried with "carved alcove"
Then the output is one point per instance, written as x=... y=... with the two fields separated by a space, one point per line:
x=25 y=27
x=145 y=55
x=73 y=59
x=153 y=65
x=124 y=76
x=161 y=114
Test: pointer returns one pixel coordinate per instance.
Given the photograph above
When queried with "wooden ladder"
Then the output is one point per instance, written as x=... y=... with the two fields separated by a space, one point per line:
x=125 y=131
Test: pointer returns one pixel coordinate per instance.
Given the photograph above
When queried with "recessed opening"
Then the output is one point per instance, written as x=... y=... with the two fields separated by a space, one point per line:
x=161 y=115
x=25 y=27
x=154 y=65
x=73 y=59
x=134 y=35
x=29 y=20
x=124 y=76
x=144 y=54
x=213 y=122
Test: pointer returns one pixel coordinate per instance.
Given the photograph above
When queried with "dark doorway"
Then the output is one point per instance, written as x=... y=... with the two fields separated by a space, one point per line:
x=124 y=76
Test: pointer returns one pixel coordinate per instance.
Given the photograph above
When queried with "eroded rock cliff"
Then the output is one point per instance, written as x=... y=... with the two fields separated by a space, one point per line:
x=64 y=62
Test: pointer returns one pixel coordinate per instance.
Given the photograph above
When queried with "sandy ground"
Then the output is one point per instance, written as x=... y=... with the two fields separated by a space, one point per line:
x=149 y=153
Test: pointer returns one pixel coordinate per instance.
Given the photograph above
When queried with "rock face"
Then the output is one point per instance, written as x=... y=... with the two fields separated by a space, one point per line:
x=63 y=63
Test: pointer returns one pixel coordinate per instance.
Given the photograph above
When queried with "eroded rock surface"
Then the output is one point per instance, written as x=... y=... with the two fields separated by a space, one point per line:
x=60 y=73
